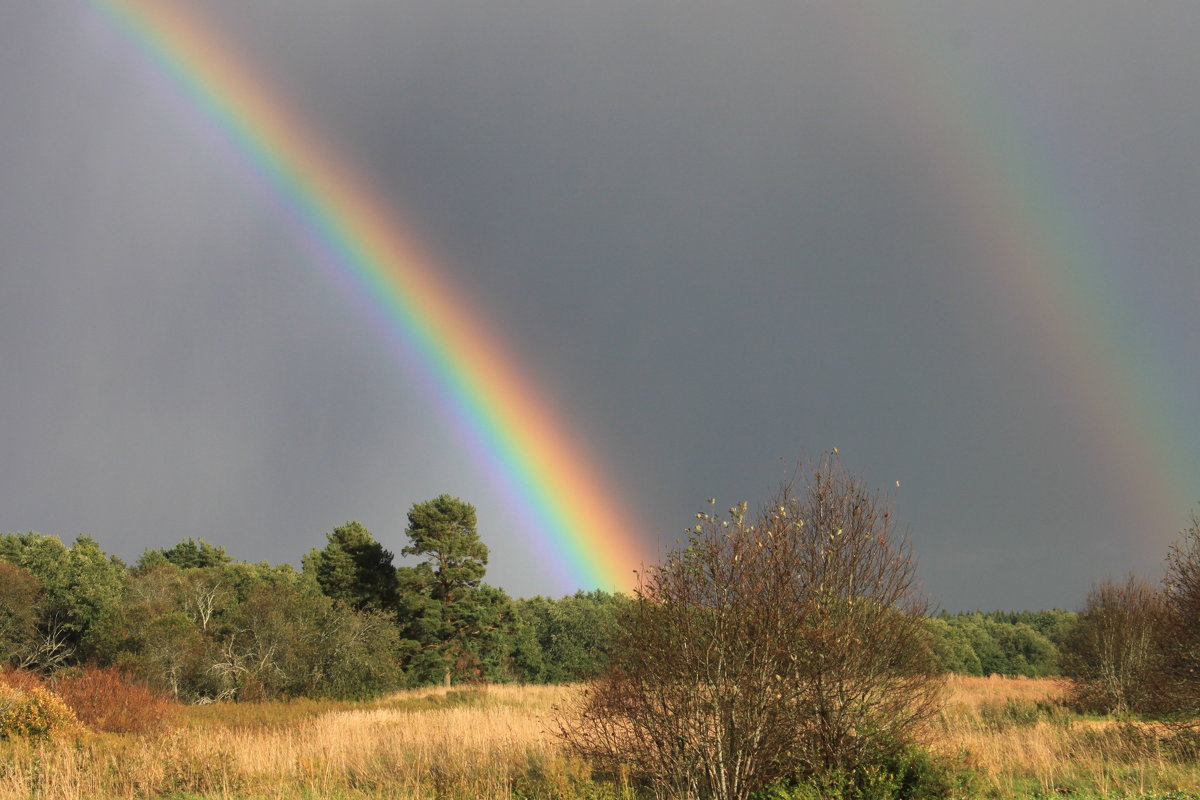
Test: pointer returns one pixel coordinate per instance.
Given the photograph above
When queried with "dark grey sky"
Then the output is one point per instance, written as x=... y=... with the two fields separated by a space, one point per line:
x=720 y=235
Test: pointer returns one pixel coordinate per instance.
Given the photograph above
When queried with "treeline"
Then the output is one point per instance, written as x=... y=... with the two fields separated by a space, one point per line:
x=194 y=623
x=1028 y=643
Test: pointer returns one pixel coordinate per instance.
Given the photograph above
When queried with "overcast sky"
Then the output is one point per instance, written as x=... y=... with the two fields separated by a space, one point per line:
x=724 y=237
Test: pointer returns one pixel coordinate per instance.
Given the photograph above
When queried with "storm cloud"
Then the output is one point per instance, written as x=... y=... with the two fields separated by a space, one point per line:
x=719 y=235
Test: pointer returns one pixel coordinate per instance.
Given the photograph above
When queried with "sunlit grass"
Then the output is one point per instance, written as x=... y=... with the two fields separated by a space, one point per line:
x=1021 y=741
x=496 y=743
x=469 y=743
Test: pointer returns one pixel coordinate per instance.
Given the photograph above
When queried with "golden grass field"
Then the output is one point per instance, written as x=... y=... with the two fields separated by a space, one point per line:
x=494 y=743
x=1020 y=740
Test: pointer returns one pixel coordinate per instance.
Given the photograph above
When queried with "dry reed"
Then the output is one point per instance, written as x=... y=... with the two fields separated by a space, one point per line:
x=421 y=744
x=1021 y=741
x=495 y=743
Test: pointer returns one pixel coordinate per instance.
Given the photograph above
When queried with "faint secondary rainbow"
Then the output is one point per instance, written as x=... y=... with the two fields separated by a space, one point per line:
x=590 y=540
x=1038 y=252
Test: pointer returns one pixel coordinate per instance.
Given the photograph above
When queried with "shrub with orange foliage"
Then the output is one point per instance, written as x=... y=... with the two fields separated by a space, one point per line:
x=23 y=679
x=28 y=708
x=108 y=700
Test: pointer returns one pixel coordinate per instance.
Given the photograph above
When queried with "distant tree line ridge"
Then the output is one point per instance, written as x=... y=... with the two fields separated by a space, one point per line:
x=194 y=623
x=1027 y=643
x=191 y=621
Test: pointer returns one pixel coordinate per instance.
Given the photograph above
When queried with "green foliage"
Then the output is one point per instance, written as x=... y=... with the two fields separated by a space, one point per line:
x=193 y=623
x=354 y=569
x=564 y=640
x=20 y=599
x=264 y=653
x=44 y=556
x=896 y=772
x=464 y=638
x=188 y=608
x=456 y=626
x=362 y=656
x=80 y=585
x=95 y=584
x=188 y=554
x=247 y=631
x=444 y=531
x=953 y=647
x=285 y=639
x=1001 y=642
x=1026 y=652
x=911 y=774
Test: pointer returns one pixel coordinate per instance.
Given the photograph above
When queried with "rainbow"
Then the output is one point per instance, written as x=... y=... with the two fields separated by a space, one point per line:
x=580 y=527
x=1043 y=257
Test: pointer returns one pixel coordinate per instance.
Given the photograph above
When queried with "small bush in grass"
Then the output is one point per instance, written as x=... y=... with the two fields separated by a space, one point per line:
x=107 y=700
x=899 y=770
x=32 y=712
x=563 y=779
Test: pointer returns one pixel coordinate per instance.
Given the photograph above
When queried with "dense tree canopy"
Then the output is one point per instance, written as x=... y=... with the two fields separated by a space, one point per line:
x=20 y=601
x=354 y=569
x=1001 y=642
x=443 y=530
x=187 y=554
x=572 y=636
x=80 y=584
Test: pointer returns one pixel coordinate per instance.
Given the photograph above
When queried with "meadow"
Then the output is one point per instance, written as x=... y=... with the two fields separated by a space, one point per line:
x=1005 y=737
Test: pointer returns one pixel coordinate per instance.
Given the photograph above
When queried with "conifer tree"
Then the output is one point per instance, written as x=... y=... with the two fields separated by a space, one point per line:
x=354 y=569
x=452 y=616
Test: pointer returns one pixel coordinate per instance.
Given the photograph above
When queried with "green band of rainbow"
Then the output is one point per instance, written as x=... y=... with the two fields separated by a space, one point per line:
x=581 y=528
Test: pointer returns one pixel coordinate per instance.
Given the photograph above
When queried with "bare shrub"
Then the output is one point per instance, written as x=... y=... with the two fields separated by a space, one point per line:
x=1114 y=654
x=785 y=646
x=1180 y=684
x=108 y=700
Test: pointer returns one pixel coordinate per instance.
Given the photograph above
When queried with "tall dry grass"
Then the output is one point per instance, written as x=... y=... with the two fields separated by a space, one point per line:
x=1020 y=741
x=495 y=743
x=474 y=743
